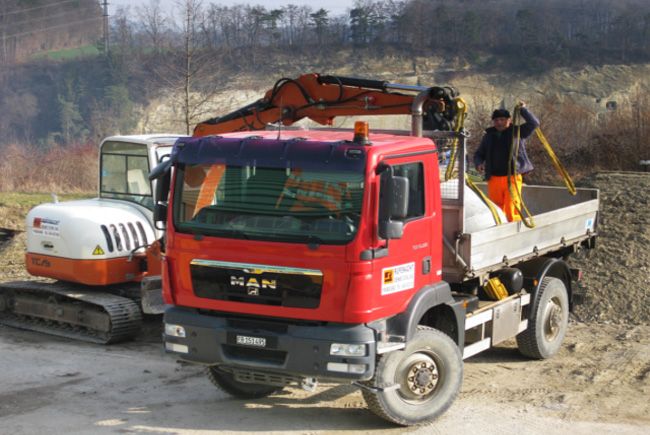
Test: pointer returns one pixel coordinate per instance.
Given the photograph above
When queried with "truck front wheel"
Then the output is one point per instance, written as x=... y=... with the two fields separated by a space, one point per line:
x=241 y=390
x=417 y=384
x=548 y=320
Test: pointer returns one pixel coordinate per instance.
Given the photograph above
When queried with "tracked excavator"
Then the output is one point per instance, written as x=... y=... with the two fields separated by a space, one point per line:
x=105 y=253
x=102 y=252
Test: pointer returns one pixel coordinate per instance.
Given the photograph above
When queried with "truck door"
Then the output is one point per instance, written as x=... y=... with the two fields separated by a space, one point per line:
x=407 y=266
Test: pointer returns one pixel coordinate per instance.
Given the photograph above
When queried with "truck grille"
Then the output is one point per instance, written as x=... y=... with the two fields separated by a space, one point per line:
x=266 y=378
x=257 y=284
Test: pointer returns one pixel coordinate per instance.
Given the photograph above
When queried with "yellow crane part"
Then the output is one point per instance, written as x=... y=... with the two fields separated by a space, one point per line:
x=556 y=162
x=461 y=107
x=514 y=151
x=484 y=198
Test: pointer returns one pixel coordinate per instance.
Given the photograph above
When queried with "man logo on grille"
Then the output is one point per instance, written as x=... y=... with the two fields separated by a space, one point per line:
x=252 y=285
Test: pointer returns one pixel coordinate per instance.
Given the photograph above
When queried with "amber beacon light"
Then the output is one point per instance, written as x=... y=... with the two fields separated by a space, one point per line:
x=361 y=133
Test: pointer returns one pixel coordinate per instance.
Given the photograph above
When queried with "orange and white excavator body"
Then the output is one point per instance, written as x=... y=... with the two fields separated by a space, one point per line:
x=106 y=240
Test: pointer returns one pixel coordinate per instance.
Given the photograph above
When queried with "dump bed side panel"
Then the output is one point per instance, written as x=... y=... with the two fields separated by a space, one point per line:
x=560 y=220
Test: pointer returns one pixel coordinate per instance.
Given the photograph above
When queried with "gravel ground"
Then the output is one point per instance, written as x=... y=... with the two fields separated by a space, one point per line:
x=599 y=383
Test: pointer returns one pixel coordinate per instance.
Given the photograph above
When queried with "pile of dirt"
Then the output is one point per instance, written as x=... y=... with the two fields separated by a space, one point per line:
x=617 y=272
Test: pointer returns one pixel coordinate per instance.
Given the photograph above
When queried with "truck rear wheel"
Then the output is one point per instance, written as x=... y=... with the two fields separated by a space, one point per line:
x=241 y=390
x=419 y=382
x=548 y=321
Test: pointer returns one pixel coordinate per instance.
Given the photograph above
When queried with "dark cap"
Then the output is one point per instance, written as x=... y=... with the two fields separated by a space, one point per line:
x=500 y=113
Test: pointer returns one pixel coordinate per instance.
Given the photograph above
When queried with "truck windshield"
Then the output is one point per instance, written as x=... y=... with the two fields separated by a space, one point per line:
x=124 y=170
x=298 y=203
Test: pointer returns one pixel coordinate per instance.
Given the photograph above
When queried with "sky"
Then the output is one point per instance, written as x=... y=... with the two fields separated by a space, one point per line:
x=336 y=7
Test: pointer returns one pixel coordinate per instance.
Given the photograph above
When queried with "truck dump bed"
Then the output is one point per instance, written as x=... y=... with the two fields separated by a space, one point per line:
x=561 y=220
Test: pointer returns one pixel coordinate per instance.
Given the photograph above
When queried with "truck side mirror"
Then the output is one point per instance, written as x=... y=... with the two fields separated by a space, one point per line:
x=162 y=174
x=393 y=205
x=399 y=197
x=160 y=212
x=391 y=229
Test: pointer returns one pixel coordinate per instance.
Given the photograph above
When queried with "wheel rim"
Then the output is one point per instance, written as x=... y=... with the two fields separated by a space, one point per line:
x=553 y=315
x=418 y=377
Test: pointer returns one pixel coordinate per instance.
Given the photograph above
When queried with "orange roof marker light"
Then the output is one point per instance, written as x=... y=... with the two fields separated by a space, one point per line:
x=361 y=131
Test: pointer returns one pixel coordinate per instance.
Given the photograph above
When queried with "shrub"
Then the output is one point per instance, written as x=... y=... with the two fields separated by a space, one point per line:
x=60 y=169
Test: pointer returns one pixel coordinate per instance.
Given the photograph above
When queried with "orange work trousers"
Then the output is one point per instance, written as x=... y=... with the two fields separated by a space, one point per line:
x=508 y=200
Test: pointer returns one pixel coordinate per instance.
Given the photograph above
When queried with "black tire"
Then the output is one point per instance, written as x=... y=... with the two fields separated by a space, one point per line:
x=547 y=322
x=241 y=390
x=424 y=396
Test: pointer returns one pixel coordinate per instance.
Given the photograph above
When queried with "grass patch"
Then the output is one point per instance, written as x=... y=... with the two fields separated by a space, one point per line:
x=68 y=53
x=15 y=205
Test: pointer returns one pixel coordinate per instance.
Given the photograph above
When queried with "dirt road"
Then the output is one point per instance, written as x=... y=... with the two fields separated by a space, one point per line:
x=599 y=383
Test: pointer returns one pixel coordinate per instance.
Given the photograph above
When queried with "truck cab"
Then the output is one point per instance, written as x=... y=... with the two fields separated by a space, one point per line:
x=298 y=256
x=305 y=206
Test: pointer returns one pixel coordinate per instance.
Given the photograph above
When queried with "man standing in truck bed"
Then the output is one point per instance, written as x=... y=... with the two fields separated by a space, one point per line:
x=494 y=153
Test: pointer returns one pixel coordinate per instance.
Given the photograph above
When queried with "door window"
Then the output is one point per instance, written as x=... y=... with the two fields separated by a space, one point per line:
x=415 y=174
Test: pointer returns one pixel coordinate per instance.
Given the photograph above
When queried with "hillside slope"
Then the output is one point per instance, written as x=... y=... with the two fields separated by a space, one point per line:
x=589 y=89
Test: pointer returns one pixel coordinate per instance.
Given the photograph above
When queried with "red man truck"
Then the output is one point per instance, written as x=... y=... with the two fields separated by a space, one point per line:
x=306 y=255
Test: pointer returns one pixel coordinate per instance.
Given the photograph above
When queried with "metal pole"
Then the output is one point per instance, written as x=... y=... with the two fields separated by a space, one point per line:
x=417 y=112
x=106 y=33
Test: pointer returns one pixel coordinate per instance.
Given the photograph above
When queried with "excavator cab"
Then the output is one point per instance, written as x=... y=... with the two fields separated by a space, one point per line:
x=123 y=172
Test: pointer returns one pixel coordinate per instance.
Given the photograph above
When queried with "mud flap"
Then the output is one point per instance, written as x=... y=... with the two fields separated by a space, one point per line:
x=151 y=292
x=579 y=292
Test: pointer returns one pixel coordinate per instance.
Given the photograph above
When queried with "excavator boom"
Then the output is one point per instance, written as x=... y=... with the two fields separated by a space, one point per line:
x=322 y=98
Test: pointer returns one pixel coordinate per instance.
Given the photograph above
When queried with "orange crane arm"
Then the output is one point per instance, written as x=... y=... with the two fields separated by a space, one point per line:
x=321 y=99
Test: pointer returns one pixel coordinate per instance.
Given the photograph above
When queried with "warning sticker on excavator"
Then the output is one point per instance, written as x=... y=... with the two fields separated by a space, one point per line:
x=398 y=278
x=98 y=250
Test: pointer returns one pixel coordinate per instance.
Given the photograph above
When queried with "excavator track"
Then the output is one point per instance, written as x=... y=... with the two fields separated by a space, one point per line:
x=70 y=311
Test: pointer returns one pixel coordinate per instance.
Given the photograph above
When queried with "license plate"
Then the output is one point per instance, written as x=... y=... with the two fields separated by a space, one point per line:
x=245 y=340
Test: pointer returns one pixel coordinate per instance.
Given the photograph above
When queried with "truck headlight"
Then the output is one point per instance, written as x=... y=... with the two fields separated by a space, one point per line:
x=342 y=349
x=174 y=330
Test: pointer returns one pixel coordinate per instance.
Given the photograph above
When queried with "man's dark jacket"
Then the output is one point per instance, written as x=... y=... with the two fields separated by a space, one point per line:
x=494 y=150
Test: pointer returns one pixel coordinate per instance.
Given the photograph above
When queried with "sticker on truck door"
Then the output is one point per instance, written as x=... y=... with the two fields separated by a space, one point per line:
x=397 y=278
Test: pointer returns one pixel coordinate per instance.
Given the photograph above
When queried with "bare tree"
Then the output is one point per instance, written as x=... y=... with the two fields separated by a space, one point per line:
x=154 y=23
x=192 y=11
x=290 y=15
x=191 y=72
x=320 y=21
